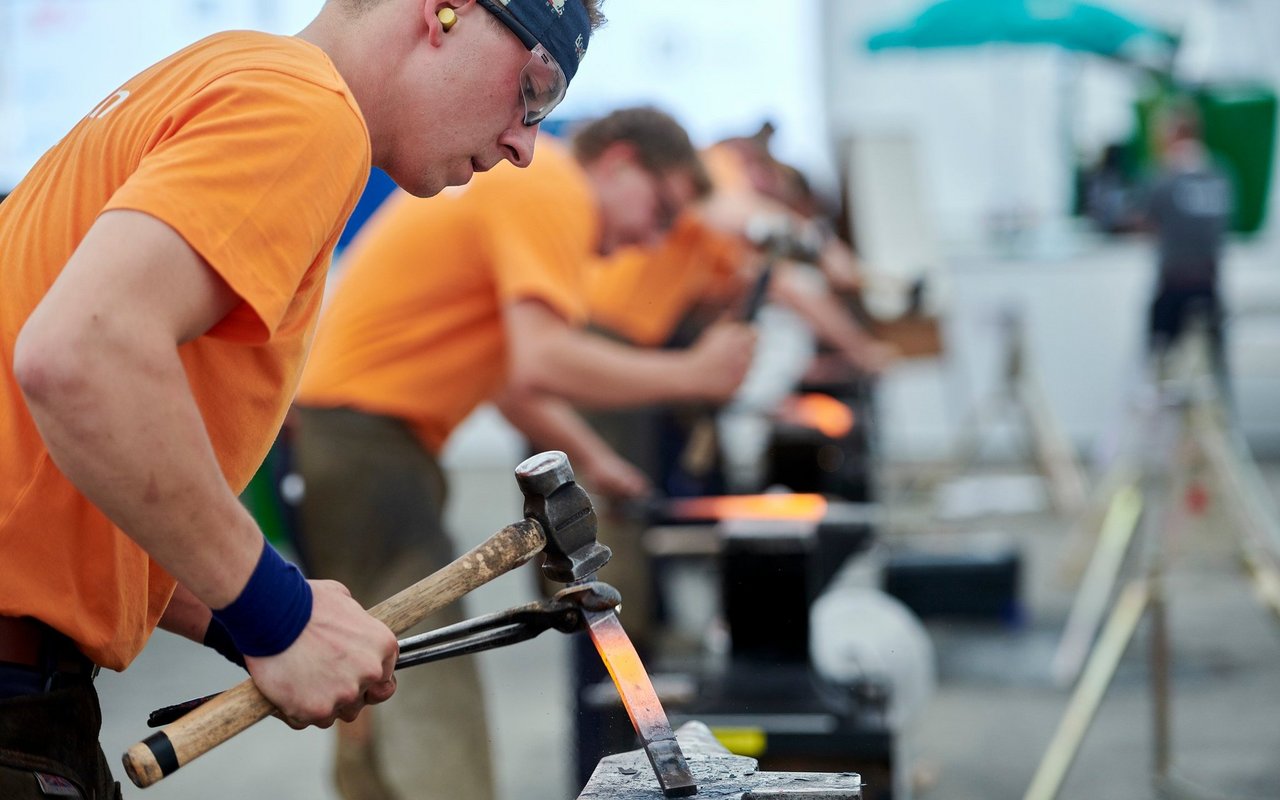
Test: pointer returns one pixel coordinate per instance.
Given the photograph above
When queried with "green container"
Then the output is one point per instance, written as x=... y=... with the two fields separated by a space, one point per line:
x=263 y=499
x=1239 y=127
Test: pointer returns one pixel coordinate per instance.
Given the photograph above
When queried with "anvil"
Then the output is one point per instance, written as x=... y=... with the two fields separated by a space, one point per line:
x=720 y=775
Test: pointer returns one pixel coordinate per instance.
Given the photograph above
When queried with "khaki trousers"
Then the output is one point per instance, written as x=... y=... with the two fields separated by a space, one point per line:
x=372 y=519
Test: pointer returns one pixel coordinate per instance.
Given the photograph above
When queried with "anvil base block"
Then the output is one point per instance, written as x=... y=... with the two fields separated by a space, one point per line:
x=720 y=775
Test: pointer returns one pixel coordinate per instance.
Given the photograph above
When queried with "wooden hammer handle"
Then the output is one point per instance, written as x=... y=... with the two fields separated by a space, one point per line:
x=233 y=711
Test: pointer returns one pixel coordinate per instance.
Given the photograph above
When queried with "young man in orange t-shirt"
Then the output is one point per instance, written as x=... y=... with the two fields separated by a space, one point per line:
x=163 y=270
x=442 y=305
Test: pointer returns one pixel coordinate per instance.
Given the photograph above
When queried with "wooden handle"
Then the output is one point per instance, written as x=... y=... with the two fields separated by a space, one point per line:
x=499 y=554
x=235 y=710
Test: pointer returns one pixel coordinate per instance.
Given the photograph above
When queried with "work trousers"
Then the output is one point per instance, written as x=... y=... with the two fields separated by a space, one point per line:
x=632 y=433
x=49 y=746
x=1172 y=311
x=372 y=519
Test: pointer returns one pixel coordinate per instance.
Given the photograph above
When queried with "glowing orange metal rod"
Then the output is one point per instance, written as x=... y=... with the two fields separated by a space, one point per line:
x=641 y=702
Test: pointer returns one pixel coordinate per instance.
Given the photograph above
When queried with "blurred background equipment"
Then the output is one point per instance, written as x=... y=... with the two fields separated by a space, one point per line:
x=1189 y=452
x=795 y=657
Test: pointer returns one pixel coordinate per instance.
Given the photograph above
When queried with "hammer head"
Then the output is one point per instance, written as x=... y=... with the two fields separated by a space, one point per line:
x=556 y=502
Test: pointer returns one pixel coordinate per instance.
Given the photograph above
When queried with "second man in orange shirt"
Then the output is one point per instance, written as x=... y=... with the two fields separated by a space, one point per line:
x=442 y=305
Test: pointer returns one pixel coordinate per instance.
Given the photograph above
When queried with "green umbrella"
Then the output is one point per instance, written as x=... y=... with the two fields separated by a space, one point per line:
x=1085 y=27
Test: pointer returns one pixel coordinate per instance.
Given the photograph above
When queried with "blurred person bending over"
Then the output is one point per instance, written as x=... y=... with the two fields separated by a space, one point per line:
x=750 y=181
x=755 y=193
x=760 y=211
x=664 y=295
x=163 y=270
x=443 y=304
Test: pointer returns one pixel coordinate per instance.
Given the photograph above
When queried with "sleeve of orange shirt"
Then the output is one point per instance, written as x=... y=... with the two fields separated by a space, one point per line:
x=237 y=175
x=644 y=293
x=541 y=240
x=726 y=256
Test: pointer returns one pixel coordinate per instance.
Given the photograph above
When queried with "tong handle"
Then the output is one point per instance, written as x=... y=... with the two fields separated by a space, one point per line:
x=462 y=638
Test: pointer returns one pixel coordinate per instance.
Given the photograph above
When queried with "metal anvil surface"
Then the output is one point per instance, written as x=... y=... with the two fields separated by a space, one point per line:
x=720 y=775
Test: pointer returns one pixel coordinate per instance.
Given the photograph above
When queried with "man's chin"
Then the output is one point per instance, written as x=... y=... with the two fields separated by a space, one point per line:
x=463 y=176
x=460 y=178
x=423 y=187
x=427 y=183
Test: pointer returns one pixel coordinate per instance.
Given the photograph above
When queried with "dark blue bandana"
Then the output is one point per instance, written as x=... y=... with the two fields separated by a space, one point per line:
x=561 y=26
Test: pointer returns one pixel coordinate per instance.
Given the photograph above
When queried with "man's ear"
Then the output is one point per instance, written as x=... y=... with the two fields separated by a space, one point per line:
x=440 y=16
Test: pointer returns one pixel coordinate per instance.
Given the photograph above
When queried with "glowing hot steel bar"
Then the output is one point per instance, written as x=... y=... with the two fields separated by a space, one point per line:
x=800 y=507
x=641 y=702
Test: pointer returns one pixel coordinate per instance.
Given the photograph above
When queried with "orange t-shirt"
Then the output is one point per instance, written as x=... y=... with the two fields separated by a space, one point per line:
x=642 y=294
x=414 y=326
x=252 y=148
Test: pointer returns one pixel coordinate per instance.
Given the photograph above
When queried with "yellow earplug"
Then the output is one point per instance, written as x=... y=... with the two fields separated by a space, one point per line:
x=447 y=18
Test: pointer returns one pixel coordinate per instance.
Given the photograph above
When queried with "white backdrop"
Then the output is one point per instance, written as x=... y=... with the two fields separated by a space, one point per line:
x=722 y=66
x=58 y=58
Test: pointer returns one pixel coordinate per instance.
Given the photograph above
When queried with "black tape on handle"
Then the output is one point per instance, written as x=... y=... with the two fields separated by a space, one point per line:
x=160 y=747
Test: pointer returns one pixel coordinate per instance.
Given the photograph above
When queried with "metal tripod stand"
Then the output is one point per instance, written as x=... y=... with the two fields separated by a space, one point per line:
x=1187 y=438
x=1021 y=397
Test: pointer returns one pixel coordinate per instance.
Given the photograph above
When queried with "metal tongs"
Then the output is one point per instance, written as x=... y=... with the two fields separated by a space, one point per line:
x=564 y=612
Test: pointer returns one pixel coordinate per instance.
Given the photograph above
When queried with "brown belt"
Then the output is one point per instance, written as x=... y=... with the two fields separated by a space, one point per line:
x=30 y=643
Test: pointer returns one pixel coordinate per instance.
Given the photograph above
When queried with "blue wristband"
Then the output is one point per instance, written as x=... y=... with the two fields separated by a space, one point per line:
x=217 y=638
x=272 y=609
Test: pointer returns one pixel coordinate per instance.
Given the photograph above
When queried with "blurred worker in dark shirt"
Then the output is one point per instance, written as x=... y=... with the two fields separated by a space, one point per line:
x=1188 y=208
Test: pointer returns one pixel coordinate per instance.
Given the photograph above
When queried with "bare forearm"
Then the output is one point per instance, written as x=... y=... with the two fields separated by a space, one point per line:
x=547 y=355
x=551 y=422
x=186 y=615
x=98 y=363
x=830 y=321
x=839 y=263
x=592 y=371
x=116 y=413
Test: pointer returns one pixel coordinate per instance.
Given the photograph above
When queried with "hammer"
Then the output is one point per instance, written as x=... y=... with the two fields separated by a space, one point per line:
x=559 y=522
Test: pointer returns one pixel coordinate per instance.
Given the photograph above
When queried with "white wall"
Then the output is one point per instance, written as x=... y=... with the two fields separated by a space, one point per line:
x=58 y=58
x=721 y=66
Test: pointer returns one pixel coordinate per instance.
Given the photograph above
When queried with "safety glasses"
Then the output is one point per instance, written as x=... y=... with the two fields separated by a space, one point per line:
x=542 y=82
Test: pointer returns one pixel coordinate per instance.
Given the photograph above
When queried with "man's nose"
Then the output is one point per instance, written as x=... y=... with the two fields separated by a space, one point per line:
x=517 y=143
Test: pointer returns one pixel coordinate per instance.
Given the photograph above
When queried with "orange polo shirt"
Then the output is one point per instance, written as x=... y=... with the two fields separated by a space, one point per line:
x=644 y=293
x=251 y=147
x=414 y=326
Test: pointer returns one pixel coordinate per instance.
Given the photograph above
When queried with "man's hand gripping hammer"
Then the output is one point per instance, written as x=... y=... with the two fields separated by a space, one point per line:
x=559 y=521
